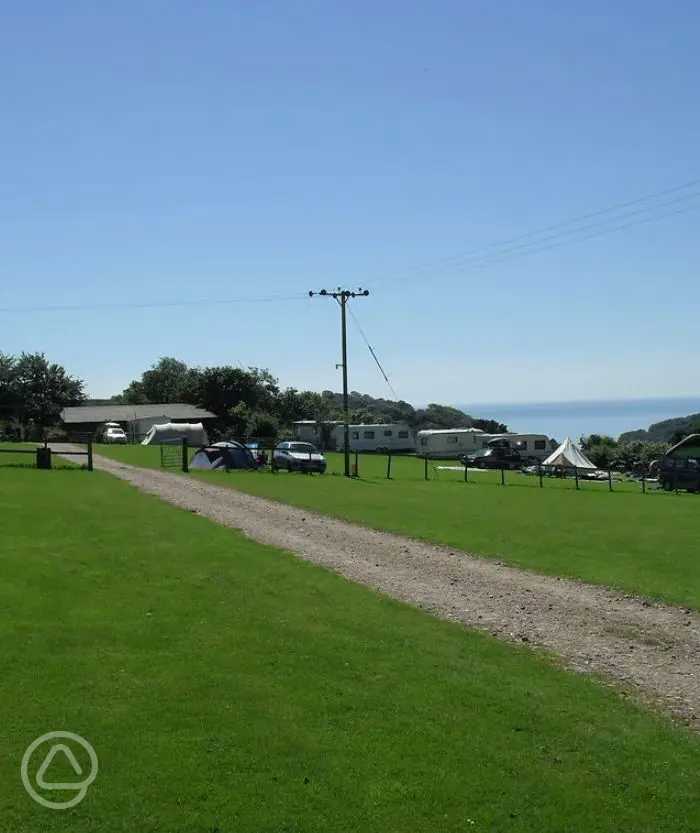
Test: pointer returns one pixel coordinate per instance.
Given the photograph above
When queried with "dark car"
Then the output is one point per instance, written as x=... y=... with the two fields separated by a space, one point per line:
x=497 y=457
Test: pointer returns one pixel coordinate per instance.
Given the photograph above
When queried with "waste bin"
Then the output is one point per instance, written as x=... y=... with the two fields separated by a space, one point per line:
x=43 y=458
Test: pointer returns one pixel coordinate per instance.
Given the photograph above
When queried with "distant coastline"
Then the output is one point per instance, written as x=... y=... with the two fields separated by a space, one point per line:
x=577 y=418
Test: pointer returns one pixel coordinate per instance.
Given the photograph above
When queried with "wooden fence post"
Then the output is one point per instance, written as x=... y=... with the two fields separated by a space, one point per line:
x=576 y=475
x=185 y=456
x=425 y=467
x=539 y=472
x=89 y=447
x=388 y=466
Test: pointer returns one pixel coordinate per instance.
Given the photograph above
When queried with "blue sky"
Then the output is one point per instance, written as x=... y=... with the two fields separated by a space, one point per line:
x=177 y=151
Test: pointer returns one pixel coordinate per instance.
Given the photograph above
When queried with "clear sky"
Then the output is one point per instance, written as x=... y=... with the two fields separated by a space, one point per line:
x=176 y=151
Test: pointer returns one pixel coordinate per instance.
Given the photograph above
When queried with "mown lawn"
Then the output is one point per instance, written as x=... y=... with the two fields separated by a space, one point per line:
x=231 y=687
x=643 y=544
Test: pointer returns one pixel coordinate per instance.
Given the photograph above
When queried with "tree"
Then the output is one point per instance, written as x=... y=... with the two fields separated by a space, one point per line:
x=7 y=375
x=441 y=416
x=593 y=440
x=637 y=454
x=33 y=392
x=169 y=380
x=490 y=426
x=221 y=388
x=681 y=434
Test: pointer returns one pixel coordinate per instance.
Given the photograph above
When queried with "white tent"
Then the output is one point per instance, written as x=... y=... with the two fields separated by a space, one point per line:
x=170 y=432
x=569 y=455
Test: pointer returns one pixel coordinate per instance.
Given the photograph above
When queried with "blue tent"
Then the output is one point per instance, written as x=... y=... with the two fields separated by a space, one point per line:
x=228 y=455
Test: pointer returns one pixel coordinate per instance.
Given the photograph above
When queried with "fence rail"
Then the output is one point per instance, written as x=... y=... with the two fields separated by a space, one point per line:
x=44 y=454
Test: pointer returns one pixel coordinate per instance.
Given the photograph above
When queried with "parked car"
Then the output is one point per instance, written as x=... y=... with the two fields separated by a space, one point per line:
x=112 y=432
x=496 y=457
x=296 y=456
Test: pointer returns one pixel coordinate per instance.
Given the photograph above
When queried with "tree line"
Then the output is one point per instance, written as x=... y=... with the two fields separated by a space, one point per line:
x=250 y=402
x=246 y=402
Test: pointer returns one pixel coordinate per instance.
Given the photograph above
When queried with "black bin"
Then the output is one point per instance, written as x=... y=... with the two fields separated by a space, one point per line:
x=43 y=458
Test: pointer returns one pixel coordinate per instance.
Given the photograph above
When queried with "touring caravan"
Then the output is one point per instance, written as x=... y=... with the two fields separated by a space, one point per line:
x=451 y=442
x=393 y=436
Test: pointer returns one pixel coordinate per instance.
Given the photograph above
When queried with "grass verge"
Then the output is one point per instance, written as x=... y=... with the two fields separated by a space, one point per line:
x=642 y=544
x=228 y=686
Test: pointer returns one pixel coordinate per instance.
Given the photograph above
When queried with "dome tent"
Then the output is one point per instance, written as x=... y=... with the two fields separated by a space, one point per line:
x=569 y=456
x=223 y=456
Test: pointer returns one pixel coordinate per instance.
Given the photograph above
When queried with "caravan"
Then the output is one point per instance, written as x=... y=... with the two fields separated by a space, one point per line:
x=392 y=436
x=450 y=443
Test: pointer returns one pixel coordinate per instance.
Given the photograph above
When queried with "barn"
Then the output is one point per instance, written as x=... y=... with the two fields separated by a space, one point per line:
x=136 y=420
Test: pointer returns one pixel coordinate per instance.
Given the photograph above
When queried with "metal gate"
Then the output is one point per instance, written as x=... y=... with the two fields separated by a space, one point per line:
x=171 y=455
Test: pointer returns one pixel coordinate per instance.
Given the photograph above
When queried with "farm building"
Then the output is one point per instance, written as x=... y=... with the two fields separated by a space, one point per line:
x=451 y=442
x=136 y=420
x=687 y=448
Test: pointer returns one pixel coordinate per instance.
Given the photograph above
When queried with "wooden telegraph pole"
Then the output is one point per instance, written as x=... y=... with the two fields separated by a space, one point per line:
x=342 y=296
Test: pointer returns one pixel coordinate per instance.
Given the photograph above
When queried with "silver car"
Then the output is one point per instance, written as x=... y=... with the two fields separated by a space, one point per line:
x=296 y=456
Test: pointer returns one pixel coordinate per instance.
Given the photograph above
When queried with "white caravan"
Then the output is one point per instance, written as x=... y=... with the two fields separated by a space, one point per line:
x=392 y=436
x=451 y=442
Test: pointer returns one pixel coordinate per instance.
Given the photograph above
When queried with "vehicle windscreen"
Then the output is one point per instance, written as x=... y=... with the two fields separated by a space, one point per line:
x=303 y=448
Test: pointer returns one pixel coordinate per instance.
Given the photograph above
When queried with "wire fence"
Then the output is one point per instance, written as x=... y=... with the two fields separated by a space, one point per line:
x=266 y=455
x=392 y=466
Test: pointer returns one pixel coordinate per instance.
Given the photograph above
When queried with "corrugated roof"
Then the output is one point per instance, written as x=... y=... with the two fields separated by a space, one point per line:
x=691 y=439
x=130 y=413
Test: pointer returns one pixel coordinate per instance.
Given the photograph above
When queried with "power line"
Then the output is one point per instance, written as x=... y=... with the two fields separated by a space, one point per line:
x=600 y=233
x=496 y=249
x=374 y=355
x=604 y=226
x=152 y=304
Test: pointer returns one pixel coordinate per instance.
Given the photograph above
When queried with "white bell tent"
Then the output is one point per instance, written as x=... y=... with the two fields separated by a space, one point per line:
x=568 y=455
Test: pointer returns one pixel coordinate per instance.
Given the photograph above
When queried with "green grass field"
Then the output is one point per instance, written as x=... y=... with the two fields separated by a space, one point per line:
x=643 y=544
x=230 y=687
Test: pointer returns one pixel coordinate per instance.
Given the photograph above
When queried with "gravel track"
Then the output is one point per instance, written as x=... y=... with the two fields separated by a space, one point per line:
x=650 y=649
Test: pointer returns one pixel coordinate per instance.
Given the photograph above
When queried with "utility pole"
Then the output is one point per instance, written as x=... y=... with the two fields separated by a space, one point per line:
x=342 y=296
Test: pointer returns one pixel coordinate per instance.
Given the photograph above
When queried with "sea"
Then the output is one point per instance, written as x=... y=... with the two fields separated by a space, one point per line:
x=577 y=419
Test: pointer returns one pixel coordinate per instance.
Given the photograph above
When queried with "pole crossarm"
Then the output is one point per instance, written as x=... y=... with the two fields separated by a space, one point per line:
x=342 y=296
